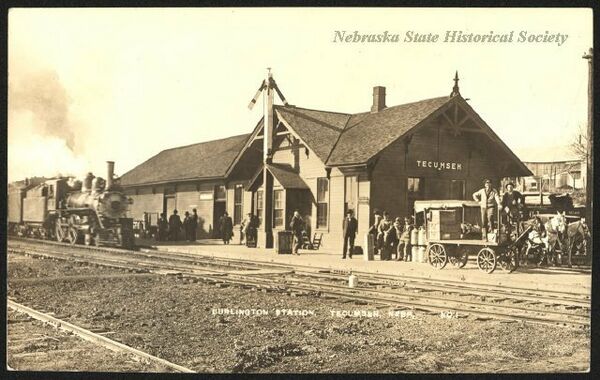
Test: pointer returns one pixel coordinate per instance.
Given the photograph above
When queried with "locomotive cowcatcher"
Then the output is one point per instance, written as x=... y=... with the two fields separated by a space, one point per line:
x=92 y=211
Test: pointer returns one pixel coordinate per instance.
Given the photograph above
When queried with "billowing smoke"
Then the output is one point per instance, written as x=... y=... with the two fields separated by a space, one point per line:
x=43 y=95
x=41 y=132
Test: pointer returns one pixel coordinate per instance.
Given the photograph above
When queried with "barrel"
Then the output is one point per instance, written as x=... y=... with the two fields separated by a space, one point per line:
x=414 y=251
x=422 y=254
x=284 y=242
x=421 y=238
x=414 y=237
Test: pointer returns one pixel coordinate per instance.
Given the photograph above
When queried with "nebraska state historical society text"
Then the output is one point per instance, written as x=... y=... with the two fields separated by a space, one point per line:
x=452 y=36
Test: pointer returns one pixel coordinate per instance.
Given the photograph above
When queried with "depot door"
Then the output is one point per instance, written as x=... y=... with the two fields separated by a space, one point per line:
x=169 y=204
x=218 y=211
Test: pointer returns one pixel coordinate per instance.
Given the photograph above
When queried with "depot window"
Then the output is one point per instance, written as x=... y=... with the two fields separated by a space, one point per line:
x=278 y=208
x=415 y=187
x=322 y=202
x=220 y=193
x=237 y=204
x=457 y=189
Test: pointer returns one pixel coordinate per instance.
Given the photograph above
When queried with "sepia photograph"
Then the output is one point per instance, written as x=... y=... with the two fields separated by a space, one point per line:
x=299 y=190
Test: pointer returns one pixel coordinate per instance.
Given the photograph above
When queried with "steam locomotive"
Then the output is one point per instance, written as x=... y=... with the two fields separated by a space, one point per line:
x=92 y=211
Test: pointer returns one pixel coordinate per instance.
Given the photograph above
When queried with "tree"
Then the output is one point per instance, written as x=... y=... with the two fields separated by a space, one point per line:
x=579 y=144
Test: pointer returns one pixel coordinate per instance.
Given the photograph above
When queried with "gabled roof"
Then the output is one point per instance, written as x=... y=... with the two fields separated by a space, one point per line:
x=318 y=129
x=209 y=159
x=367 y=134
x=284 y=174
x=343 y=139
x=353 y=139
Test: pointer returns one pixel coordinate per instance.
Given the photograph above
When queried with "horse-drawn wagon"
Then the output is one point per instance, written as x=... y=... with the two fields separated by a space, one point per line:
x=453 y=234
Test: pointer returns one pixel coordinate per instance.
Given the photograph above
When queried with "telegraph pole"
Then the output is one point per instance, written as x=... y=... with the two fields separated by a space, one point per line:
x=589 y=184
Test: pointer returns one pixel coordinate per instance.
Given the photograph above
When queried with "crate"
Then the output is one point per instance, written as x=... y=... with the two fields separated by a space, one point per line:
x=444 y=217
x=446 y=231
x=285 y=240
x=438 y=235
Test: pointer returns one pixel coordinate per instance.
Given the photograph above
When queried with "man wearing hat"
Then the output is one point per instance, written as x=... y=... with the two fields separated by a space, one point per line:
x=512 y=203
x=489 y=200
x=349 y=227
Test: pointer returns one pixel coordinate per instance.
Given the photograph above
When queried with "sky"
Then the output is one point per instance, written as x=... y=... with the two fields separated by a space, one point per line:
x=91 y=85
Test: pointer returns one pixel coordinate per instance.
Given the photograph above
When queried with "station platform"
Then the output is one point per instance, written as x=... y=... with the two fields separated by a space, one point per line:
x=550 y=279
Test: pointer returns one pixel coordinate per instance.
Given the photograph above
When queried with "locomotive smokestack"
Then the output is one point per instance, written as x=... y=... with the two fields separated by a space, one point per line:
x=110 y=172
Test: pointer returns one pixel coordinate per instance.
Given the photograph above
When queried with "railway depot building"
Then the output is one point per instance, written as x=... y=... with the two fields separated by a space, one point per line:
x=323 y=163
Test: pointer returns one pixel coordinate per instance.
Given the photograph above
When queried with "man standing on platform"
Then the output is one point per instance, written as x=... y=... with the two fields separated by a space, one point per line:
x=297 y=226
x=174 y=226
x=163 y=227
x=489 y=200
x=194 y=225
x=512 y=203
x=350 y=227
x=226 y=228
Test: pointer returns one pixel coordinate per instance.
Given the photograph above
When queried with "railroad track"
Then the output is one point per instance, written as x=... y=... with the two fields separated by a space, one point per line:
x=447 y=286
x=21 y=337
x=531 y=307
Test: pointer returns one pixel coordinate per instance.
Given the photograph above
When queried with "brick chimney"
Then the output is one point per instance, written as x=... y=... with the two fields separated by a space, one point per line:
x=378 y=99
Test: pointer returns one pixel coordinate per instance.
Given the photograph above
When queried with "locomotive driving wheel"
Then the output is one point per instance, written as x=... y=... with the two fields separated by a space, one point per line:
x=461 y=257
x=486 y=260
x=73 y=235
x=437 y=256
x=59 y=231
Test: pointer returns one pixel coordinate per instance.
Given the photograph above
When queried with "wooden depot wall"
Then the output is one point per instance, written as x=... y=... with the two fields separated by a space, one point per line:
x=470 y=156
x=187 y=196
x=462 y=156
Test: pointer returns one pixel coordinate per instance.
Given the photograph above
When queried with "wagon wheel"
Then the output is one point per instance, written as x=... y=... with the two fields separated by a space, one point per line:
x=509 y=260
x=436 y=255
x=461 y=259
x=486 y=260
x=73 y=235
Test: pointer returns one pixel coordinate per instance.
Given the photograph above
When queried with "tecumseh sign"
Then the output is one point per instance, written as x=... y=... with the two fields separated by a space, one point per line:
x=439 y=165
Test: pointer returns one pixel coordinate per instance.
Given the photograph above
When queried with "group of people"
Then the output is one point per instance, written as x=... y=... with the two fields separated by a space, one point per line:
x=171 y=228
x=390 y=237
x=248 y=228
x=511 y=203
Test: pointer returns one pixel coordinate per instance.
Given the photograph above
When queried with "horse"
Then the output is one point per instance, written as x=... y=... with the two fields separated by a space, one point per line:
x=556 y=233
x=578 y=235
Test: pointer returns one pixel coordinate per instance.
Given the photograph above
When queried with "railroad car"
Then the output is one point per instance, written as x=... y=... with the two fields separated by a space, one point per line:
x=91 y=212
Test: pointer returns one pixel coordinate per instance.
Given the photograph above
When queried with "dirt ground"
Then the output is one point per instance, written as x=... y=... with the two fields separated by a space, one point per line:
x=35 y=346
x=183 y=321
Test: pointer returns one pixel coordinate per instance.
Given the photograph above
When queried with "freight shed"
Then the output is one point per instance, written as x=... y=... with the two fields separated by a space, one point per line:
x=323 y=163
x=185 y=178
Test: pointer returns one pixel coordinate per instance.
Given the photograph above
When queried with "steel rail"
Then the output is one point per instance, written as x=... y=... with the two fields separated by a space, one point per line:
x=359 y=295
x=527 y=295
x=95 y=338
x=403 y=277
x=376 y=295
